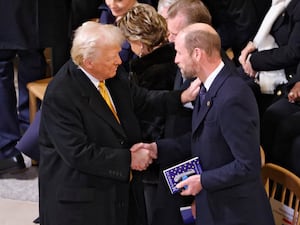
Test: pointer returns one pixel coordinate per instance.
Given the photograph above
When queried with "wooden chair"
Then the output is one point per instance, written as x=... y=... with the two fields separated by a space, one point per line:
x=36 y=91
x=284 y=186
x=262 y=156
x=37 y=88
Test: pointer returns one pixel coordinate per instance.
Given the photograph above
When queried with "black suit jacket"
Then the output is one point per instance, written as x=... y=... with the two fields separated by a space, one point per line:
x=295 y=78
x=286 y=32
x=237 y=21
x=85 y=157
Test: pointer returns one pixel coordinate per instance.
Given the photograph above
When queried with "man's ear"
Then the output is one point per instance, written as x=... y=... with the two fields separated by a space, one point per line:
x=197 y=53
x=88 y=63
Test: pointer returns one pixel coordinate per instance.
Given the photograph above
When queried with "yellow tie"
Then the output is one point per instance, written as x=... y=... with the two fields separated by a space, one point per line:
x=105 y=95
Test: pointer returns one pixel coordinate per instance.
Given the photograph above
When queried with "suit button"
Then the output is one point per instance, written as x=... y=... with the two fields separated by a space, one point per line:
x=121 y=204
x=279 y=92
x=290 y=76
x=122 y=142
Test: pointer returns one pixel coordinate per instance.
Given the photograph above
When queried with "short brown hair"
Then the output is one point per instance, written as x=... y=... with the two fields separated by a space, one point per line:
x=194 y=11
x=203 y=38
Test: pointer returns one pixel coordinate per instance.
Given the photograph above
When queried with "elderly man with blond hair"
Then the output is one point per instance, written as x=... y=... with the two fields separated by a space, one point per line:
x=87 y=173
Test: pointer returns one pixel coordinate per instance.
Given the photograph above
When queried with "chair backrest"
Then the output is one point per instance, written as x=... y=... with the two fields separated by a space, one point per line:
x=284 y=186
x=262 y=156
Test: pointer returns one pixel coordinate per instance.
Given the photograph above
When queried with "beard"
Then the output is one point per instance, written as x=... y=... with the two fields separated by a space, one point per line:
x=188 y=73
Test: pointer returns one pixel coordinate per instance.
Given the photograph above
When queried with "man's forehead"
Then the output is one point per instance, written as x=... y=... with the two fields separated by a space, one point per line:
x=175 y=23
x=179 y=42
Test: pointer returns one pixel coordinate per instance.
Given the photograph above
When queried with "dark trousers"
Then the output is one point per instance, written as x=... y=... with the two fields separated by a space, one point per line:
x=29 y=142
x=280 y=129
x=31 y=65
x=293 y=160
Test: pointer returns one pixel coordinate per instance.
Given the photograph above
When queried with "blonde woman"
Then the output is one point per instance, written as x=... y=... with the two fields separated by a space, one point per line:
x=146 y=31
x=154 y=69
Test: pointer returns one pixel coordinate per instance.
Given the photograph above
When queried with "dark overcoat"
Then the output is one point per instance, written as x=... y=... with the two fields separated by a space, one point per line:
x=85 y=158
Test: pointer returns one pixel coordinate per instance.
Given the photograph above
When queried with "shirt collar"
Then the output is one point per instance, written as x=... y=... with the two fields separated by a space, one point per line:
x=92 y=79
x=212 y=76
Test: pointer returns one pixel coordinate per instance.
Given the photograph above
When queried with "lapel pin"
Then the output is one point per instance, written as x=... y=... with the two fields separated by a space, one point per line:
x=208 y=103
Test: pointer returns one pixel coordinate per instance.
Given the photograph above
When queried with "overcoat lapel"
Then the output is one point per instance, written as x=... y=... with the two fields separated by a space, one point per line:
x=96 y=102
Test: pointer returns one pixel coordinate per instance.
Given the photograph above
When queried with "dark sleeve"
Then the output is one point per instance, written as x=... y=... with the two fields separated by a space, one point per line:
x=286 y=55
x=174 y=149
x=295 y=78
x=157 y=102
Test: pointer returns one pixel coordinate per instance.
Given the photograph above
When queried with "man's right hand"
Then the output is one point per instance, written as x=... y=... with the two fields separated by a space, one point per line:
x=142 y=155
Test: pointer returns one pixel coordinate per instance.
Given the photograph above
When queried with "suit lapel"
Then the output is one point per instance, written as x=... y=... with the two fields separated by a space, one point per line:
x=198 y=117
x=118 y=95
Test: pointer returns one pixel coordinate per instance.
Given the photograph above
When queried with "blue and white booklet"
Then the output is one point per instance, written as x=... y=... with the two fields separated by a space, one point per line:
x=180 y=172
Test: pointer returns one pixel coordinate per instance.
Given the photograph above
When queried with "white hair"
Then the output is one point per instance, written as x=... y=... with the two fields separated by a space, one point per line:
x=90 y=34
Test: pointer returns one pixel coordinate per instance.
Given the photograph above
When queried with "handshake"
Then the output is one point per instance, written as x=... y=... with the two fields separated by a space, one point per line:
x=142 y=155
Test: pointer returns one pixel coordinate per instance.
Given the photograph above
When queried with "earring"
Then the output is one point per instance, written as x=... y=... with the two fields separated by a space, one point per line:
x=141 y=51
